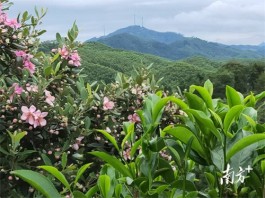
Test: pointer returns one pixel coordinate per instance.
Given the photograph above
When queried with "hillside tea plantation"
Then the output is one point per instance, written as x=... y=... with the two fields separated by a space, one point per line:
x=86 y=120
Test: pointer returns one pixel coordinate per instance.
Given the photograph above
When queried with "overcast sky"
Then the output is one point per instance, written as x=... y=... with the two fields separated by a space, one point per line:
x=223 y=21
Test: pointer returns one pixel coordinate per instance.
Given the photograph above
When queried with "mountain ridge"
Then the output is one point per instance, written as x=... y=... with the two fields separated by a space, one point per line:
x=175 y=46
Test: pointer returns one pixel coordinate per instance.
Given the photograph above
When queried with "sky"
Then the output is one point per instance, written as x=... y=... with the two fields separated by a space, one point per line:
x=222 y=21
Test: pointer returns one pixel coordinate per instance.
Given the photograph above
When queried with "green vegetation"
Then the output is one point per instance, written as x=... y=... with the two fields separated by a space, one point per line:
x=101 y=62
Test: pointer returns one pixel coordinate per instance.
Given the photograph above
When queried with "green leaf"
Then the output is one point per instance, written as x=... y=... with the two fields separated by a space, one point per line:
x=81 y=171
x=110 y=138
x=113 y=162
x=210 y=179
x=157 y=109
x=92 y=191
x=58 y=38
x=129 y=129
x=208 y=85
x=243 y=143
x=48 y=70
x=78 y=194
x=118 y=190
x=104 y=185
x=57 y=68
x=46 y=159
x=262 y=167
x=195 y=102
x=233 y=97
x=38 y=181
x=84 y=94
x=158 y=190
x=183 y=134
x=205 y=121
x=258 y=158
x=260 y=96
x=231 y=115
x=179 y=102
x=16 y=137
x=205 y=95
x=57 y=174
x=64 y=160
x=135 y=147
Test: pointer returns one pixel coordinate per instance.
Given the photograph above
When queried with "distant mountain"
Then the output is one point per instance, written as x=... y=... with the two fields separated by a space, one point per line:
x=175 y=46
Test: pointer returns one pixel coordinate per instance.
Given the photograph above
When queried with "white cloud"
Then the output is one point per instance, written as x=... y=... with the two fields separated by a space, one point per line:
x=227 y=21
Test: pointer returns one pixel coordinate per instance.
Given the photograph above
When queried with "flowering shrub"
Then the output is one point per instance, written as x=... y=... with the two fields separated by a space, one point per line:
x=42 y=111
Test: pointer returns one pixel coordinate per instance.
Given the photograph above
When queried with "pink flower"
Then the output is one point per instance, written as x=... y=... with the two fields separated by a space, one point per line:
x=20 y=53
x=3 y=17
x=74 y=59
x=49 y=98
x=39 y=118
x=28 y=114
x=107 y=104
x=12 y=23
x=77 y=143
x=29 y=66
x=17 y=91
x=63 y=52
x=126 y=154
x=134 y=118
x=32 y=88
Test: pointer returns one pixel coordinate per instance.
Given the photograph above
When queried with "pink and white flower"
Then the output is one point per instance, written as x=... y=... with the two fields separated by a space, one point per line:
x=32 y=88
x=74 y=59
x=17 y=91
x=107 y=104
x=29 y=66
x=63 y=52
x=33 y=117
x=28 y=114
x=49 y=98
x=12 y=23
x=134 y=118
x=39 y=118
x=77 y=143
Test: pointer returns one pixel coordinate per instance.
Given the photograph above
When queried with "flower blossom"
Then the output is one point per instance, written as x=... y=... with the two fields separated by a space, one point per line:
x=78 y=140
x=39 y=118
x=49 y=98
x=126 y=154
x=20 y=53
x=17 y=91
x=29 y=66
x=28 y=114
x=32 y=88
x=26 y=60
x=74 y=59
x=134 y=118
x=107 y=104
x=3 y=17
x=12 y=23
x=63 y=52
x=33 y=117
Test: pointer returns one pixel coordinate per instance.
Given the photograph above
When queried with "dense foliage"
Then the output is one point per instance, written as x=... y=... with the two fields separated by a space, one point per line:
x=61 y=136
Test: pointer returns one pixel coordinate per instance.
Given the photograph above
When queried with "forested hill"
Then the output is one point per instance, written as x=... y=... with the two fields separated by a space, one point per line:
x=101 y=62
x=175 y=46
